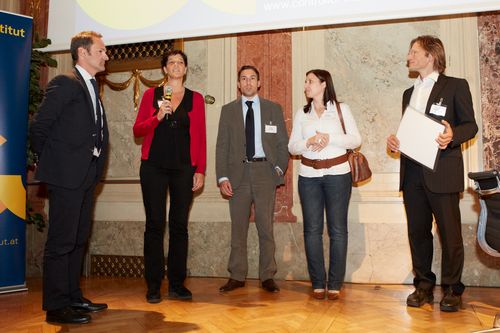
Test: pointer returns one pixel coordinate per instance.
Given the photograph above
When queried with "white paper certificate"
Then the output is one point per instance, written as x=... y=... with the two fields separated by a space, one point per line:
x=417 y=135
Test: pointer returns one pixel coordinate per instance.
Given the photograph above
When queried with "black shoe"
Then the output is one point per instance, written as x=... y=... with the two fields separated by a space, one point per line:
x=66 y=315
x=181 y=293
x=419 y=297
x=451 y=302
x=271 y=286
x=85 y=305
x=153 y=297
x=231 y=285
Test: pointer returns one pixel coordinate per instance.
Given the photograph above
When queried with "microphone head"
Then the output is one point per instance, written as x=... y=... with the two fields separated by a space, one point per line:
x=209 y=99
x=167 y=93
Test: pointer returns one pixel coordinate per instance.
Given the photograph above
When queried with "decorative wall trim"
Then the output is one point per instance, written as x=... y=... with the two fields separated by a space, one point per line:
x=136 y=77
x=117 y=266
x=145 y=55
x=133 y=58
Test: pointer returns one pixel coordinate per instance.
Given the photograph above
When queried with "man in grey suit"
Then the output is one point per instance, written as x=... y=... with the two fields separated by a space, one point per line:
x=251 y=158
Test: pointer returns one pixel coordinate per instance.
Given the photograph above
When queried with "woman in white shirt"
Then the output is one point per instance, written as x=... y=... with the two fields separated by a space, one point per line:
x=324 y=179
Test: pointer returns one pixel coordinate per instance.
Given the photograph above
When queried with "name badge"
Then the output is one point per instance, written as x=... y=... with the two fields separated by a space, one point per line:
x=438 y=110
x=271 y=129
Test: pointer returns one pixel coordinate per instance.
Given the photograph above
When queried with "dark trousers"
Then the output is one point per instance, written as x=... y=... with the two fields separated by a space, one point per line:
x=420 y=206
x=155 y=182
x=69 y=229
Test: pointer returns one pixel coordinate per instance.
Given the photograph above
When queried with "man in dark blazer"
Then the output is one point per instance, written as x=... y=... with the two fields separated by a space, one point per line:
x=70 y=136
x=251 y=158
x=428 y=193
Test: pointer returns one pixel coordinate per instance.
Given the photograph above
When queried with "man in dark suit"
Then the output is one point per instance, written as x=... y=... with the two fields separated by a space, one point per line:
x=251 y=158
x=427 y=193
x=70 y=136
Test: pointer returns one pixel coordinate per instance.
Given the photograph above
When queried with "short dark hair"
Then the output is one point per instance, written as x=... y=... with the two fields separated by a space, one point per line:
x=434 y=46
x=83 y=39
x=253 y=68
x=329 y=95
x=169 y=53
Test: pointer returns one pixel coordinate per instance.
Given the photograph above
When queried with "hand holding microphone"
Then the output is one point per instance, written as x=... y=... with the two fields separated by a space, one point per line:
x=165 y=106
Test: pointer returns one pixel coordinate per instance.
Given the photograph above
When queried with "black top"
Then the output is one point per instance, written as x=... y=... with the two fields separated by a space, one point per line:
x=170 y=147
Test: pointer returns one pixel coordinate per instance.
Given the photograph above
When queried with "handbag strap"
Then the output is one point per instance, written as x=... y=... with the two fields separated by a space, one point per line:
x=340 y=116
x=343 y=126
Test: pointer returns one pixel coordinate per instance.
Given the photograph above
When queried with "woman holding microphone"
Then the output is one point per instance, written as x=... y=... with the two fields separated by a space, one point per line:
x=171 y=121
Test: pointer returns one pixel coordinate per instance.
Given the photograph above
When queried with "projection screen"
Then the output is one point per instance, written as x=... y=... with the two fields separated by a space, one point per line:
x=130 y=21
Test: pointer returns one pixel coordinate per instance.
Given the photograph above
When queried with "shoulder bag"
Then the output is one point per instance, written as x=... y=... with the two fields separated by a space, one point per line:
x=360 y=170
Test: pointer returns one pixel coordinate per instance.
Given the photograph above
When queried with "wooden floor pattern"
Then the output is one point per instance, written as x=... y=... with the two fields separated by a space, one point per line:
x=362 y=308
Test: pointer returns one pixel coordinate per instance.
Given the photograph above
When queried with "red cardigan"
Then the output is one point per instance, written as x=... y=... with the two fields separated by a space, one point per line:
x=145 y=125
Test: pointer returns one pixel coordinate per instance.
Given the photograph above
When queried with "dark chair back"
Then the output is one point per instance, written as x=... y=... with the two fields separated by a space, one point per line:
x=488 y=232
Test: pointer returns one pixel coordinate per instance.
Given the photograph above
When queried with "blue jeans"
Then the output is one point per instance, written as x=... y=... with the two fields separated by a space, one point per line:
x=317 y=194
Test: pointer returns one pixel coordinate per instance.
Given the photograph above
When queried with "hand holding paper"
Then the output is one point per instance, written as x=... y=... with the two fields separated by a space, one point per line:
x=445 y=138
x=393 y=143
x=419 y=137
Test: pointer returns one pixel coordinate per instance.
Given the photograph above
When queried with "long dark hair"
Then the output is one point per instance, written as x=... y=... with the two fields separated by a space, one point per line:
x=329 y=95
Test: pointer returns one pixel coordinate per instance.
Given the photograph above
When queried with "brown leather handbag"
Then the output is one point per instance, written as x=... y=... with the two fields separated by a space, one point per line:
x=360 y=170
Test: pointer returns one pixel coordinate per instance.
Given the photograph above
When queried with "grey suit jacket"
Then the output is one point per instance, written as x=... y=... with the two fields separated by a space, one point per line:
x=231 y=150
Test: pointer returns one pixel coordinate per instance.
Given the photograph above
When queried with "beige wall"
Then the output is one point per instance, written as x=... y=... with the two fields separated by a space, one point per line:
x=368 y=65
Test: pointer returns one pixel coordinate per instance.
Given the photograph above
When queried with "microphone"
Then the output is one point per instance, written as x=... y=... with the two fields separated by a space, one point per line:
x=167 y=96
x=167 y=93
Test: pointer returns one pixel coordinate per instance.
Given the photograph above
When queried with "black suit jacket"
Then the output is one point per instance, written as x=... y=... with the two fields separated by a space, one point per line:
x=63 y=133
x=454 y=93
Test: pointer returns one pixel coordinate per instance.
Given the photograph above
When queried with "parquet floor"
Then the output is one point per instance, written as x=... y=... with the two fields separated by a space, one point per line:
x=362 y=308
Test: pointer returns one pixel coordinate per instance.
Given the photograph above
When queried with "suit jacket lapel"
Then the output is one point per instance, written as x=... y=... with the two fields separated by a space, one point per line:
x=407 y=98
x=438 y=86
x=81 y=80
x=238 y=120
x=265 y=117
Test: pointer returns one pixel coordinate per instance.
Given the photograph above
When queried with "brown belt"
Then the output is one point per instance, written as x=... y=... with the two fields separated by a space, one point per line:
x=323 y=164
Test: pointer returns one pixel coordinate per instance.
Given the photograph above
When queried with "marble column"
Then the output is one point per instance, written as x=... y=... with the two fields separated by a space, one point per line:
x=489 y=64
x=271 y=53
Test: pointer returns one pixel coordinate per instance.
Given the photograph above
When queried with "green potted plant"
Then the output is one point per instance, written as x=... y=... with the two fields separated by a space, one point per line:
x=39 y=59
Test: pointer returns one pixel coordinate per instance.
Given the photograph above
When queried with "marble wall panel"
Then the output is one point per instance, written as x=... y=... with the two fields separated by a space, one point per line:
x=197 y=76
x=489 y=50
x=376 y=253
x=124 y=149
x=368 y=66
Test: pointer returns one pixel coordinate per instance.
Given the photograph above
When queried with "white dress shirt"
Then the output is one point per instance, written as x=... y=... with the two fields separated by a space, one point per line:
x=422 y=90
x=305 y=126
x=87 y=77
